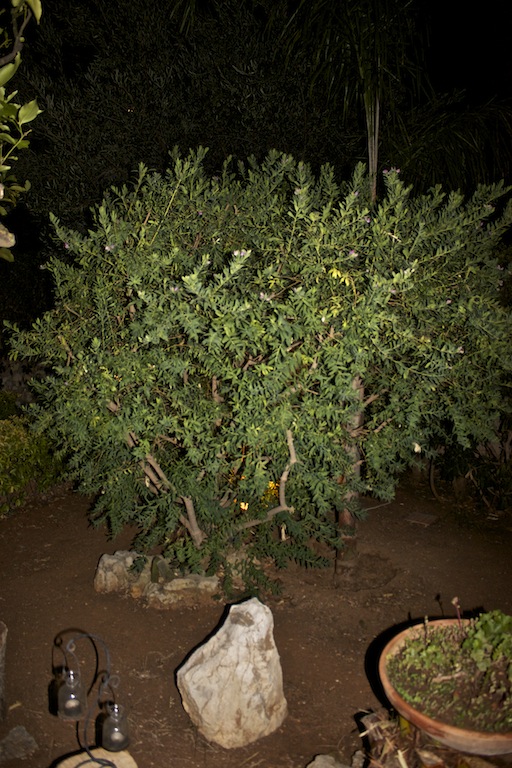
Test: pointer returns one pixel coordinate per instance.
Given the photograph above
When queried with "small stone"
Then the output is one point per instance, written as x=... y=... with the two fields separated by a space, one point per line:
x=18 y=744
x=187 y=589
x=114 y=573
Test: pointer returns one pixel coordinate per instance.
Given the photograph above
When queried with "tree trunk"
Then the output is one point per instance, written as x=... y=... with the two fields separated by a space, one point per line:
x=346 y=556
x=372 y=110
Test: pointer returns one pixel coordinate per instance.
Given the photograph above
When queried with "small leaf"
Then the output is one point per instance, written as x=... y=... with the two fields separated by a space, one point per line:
x=9 y=70
x=8 y=111
x=6 y=254
x=36 y=8
x=28 y=112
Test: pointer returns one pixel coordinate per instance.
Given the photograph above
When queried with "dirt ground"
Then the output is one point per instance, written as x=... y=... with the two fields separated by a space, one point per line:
x=409 y=566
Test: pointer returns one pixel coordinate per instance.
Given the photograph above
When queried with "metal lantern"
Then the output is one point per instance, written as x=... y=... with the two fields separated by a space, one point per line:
x=71 y=698
x=115 y=729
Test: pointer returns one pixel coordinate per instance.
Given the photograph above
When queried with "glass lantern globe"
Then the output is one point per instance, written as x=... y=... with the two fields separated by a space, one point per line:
x=115 y=735
x=71 y=697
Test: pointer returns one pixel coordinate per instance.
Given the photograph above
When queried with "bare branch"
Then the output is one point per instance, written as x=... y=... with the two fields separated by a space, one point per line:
x=252 y=361
x=190 y=522
x=163 y=482
x=217 y=398
x=283 y=506
x=156 y=480
x=226 y=500
x=18 y=38
x=151 y=479
x=370 y=399
x=166 y=439
x=67 y=349
x=260 y=520
x=132 y=439
x=286 y=472
x=381 y=426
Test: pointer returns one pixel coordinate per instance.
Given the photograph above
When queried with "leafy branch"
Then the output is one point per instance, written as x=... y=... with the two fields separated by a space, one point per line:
x=28 y=8
x=283 y=505
x=13 y=117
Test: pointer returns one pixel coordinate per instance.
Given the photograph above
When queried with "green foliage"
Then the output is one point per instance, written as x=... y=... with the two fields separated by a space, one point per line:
x=7 y=404
x=489 y=639
x=447 y=138
x=27 y=463
x=460 y=674
x=485 y=468
x=14 y=117
x=228 y=352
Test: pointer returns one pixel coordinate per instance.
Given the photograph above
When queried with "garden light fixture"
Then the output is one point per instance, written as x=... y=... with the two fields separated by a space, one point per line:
x=115 y=729
x=71 y=699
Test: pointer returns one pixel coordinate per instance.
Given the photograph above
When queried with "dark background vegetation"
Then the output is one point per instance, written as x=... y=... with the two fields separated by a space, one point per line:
x=124 y=83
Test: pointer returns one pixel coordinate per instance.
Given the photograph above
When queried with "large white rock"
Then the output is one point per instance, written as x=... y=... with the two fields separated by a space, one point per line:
x=232 y=686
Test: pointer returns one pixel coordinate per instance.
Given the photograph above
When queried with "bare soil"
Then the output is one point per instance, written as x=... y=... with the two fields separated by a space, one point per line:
x=328 y=636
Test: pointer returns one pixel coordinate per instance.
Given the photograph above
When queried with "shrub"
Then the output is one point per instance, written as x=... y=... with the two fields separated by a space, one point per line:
x=215 y=338
x=8 y=406
x=26 y=461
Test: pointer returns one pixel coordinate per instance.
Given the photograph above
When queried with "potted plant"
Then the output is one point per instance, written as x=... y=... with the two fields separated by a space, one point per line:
x=452 y=679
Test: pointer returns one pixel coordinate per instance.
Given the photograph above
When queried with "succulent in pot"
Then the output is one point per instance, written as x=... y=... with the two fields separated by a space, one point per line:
x=452 y=678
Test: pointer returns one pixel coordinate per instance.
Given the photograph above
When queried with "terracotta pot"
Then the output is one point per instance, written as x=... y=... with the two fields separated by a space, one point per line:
x=474 y=742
